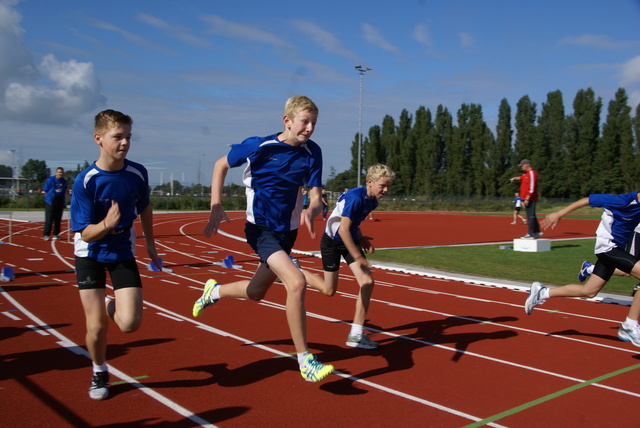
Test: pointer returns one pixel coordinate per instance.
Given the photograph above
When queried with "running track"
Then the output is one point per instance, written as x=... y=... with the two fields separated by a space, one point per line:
x=453 y=354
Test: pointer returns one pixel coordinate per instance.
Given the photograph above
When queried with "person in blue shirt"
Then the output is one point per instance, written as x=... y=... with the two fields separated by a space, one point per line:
x=278 y=167
x=55 y=199
x=620 y=217
x=343 y=238
x=107 y=198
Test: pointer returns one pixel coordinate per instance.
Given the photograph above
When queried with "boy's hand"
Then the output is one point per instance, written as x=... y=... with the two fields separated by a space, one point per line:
x=366 y=245
x=305 y=218
x=551 y=220
x=153 y=254
x=215 y=216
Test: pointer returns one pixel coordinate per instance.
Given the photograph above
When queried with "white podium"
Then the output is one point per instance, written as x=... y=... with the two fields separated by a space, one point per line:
x=531 y=245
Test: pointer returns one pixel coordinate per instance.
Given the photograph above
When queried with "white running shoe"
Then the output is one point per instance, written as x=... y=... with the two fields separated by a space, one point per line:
x=534 y=297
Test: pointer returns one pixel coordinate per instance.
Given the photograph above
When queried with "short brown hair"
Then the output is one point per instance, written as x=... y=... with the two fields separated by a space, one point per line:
x=108 y=118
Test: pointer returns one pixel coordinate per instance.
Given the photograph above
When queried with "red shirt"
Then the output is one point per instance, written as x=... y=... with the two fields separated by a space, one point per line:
x=529 y=185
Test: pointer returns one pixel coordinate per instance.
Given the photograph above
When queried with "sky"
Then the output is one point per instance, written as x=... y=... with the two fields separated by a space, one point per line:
x=199 y=75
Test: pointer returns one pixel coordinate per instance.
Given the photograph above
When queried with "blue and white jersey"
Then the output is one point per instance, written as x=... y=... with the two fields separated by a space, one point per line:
x=93 y=191
x=274 y=177
x=620 y=217
x=56 y=189
x=356 y=205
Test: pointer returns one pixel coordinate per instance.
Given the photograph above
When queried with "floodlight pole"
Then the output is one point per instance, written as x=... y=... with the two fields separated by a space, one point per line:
x=362 y=70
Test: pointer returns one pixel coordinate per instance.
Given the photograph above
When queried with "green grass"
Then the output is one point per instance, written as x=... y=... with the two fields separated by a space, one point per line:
x=556 y=267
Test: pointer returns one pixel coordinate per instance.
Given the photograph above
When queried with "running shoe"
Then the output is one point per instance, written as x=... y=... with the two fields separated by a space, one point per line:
x=527 y=236
x=99 y=389
x=296 y=262
x=361 y=341
x=635 y=289
x=513 y=222
x=584 y=271
x=205 y=300
x=56 y=238
x=539 y=234
x=534 y=297
x=313 y=370
x=46 y=238
x=630 y=334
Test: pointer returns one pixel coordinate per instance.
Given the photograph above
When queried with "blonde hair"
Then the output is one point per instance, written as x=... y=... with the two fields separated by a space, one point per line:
x=298 y=103
x=107 y=119
x=378 y=171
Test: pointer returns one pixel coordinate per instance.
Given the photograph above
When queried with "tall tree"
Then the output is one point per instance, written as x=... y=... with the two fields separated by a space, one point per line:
x=36 y=172
x=500 y=156
x=389 y=141
x=551 y=156
x=406 y=154
x=525 y=124
x=616 y=150
x=443 y=140
x=428 y=154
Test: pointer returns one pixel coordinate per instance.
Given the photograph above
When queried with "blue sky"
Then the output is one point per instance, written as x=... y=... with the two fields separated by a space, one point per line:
x=198 y=75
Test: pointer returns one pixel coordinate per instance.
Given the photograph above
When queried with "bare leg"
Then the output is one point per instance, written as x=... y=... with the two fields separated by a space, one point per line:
x=96 y=322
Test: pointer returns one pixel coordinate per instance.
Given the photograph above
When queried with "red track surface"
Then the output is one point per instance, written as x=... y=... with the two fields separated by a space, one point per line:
x=451 y=353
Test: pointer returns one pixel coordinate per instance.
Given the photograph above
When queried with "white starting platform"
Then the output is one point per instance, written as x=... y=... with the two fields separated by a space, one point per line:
x=531 y=245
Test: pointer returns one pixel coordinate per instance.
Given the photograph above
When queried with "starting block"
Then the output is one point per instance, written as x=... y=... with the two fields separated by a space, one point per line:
x=153 y=268
x=229 y=263
x=531 y=245
x=7 y=274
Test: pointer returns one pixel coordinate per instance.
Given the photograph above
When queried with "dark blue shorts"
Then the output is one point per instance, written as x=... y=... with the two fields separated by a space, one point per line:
x=616 y=258
x=331 y=251
x=93 y=274
x=265 y=241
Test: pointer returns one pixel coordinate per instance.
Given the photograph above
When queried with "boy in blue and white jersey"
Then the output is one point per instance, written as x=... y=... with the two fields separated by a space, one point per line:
x=107 y=198
x=278 y=167
x=343 y=238
x=620 y=217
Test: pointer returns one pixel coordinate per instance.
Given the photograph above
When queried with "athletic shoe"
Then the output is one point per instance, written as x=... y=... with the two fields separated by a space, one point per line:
x=527 y=236
x=635 y=289
x=56 y=238
x=313 y=370
x=534 y=297
x=539 y=234
x=630 y=334
x=513 y=222
x=205 y=300
x=46 y=238
x=524 y=221
x=99 y=389
x=361 y=341
x=584 y=273
x=296 y=262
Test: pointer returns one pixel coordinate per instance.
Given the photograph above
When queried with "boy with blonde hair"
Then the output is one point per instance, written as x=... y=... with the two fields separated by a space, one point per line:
x=278 y=167
x=343 y=238
x=107 y=198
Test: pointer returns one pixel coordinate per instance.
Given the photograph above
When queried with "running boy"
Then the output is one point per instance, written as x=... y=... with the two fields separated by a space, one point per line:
x=343 y=238
x=517 y=206
x=278 y=166
x=621 y=215
x=107 y=197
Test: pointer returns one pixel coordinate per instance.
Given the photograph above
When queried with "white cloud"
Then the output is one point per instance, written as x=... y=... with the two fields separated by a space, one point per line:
x=630 y=72
x=223 y=27
x=70 y=90
x=598 y=41
x=421 y=35
x=173 y=30
x=53 y=93
x=373 y=36
x=467 y=40
x=325 y=39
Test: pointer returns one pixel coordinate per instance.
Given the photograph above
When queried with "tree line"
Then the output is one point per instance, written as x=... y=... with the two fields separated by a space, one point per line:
x=574 y=153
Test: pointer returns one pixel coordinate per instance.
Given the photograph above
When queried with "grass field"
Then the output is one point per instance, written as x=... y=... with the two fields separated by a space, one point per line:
x=557 y=267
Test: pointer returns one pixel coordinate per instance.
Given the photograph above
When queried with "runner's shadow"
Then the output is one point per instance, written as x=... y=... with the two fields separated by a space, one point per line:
x=572 y=332
x=397 y=352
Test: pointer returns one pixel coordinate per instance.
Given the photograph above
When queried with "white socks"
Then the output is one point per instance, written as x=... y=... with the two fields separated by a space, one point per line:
x=629 y=323
x=302 y=357
x=356 y=330
x=100 y=368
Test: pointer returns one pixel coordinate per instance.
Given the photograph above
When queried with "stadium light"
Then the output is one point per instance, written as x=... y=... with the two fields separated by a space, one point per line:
x=362 y=70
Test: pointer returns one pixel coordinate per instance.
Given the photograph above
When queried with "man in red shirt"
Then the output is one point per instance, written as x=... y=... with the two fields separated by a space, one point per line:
x=529 y=195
